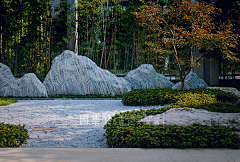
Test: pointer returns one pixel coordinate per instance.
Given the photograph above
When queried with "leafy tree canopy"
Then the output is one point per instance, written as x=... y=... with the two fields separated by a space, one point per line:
x=182 y=27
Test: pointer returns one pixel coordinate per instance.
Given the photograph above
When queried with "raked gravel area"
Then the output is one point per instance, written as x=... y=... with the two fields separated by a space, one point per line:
x=79 y=122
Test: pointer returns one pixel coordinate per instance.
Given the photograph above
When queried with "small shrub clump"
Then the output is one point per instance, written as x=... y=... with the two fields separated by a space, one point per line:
x=126 y=130
x=6 y=101
x=12 y=135
x=192 y=100
x=204 y=101
x=214 y=100
x=163 y=96
x=219 y=94
x=149 y=97
x=223 y=107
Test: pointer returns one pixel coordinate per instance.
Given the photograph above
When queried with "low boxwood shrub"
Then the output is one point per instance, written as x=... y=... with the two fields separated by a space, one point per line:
x=219 y=94
x=223 y=107
x=12 y=135
x=126 y=130
x=6 y=101
x=162 y=96
x=146 y=97
x=204 y=101
x=192 y=100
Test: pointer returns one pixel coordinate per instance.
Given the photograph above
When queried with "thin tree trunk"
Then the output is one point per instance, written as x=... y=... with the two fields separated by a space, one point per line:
x=97 y=53
x=1 y=36
x=119 y=59
x=103 y=48
x=137 y=55
x=114 y=52
x=105 y=57
x=46 y=53
x=87 y=34
x=16 y=57
x=1 y=44
x=148 y=56
x=21 y=56
x=89 y=45
x=49 y=44
x=182 y=84
x=76 y=32
x=104 y=37
x=128 y=52
x=109 y=54
x=103 y=41
x=92 y=40
x=125 y=58
x=34 y=56
x=9 y=65
x=134 y=44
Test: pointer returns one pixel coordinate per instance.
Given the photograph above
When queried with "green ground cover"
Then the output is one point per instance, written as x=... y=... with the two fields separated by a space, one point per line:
x=6 y=101
x=126 y=130
x=11 y=135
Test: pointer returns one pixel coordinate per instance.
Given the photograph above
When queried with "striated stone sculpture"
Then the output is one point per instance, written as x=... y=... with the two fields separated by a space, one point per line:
x=78 y=75
x=192 y=81
x=145 y=77
x=28 y=85
x=190 y=116
x=6 y=76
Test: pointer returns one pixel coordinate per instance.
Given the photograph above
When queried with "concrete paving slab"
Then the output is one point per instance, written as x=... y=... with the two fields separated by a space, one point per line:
x=119 y=155
x=233 y=153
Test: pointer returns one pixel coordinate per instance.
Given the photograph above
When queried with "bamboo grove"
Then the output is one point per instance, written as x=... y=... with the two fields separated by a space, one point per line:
x=34 y=32
x=32 y=36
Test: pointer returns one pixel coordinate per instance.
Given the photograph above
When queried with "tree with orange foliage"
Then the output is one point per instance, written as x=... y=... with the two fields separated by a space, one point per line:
x=179 y=29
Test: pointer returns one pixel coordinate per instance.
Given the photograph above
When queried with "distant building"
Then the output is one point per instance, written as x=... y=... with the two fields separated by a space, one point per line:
x=212 y=70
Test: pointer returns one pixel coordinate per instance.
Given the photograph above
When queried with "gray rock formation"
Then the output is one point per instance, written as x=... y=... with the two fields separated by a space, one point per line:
x=145 y=77
x=78 y=75
x=28 y=85
x=6 y=76
x=192 y=81
x=190 y=116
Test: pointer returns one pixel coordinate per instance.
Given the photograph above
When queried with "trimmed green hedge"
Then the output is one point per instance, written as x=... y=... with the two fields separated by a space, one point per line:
x=150 y=97
x=126 y=130
x=12 y=135
x=223 y=107
x=167 y=96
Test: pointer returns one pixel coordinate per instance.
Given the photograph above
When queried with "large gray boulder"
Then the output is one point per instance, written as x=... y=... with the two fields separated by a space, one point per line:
x=6 y=76
x=190 y=116
x=28 y=85
x=78 y=75
x=192 y=81
x=146 y=77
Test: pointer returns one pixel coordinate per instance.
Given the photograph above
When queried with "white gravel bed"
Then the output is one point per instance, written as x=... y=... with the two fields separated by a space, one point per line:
x=79 y=122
